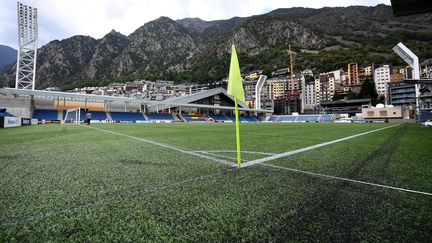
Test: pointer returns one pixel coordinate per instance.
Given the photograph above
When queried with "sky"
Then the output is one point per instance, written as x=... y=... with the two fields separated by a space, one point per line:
x=60 y=19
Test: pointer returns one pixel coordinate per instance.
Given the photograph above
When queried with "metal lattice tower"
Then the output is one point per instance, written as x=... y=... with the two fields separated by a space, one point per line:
x=27 y=47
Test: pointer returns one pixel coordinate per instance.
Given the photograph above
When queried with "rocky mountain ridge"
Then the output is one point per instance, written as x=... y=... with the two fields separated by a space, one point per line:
x=194 y=50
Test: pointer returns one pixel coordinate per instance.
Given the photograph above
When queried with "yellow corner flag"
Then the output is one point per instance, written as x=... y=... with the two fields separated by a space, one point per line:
x=235 y=88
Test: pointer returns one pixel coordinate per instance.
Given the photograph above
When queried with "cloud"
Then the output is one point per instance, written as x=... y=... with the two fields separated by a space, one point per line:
x=59 y=19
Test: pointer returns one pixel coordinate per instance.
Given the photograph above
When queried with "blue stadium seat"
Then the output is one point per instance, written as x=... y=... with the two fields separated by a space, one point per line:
x=287 y=118
x=98 y=115
x=307 y=118
x=245 y=118
x=249 y=119
x=220 y=118
x=126 y=116
x=193 y=117
x=42 y=114
x=326 y=118
x=161 y=117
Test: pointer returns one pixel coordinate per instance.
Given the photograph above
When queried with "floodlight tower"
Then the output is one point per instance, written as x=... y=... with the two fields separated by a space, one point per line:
x=27 y=47
x=411 y=59
x=258 y=90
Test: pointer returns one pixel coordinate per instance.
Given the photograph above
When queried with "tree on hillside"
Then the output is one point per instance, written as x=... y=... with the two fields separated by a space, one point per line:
x=368 y=91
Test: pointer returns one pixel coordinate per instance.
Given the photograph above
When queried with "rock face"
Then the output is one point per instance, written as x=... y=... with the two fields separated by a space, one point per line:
x=165 y=46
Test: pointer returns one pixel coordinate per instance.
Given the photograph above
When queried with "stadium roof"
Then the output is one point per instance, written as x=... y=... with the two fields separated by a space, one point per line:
x=169 y=102
x=188 y=99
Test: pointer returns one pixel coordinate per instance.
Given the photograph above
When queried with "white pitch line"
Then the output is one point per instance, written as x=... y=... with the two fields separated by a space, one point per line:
x=217 y=155
x=349 y=180
x=289 y=153
x=181 y=150
x=235 y=151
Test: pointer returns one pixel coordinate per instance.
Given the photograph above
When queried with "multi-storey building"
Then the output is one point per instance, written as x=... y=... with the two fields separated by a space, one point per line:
x=353 y=74
x=381 y=79
x=324 y=87
x=309 y=96
x=277 y=87
x=409 y=72
x=426 y=69
x=339 y=75
x=249 y=87
x=368 y=71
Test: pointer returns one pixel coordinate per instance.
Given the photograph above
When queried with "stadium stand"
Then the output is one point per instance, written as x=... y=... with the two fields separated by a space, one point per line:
x=220 y=118
x=161 y=117
x=98 y=115
x=302 y=118
x=245 y=118
x=249 y=119
x=125 y=116
x=273 y=118
x=288 y=118
x=42 y=114
x=193 y=117
x=3 y=112
x=308 y=118
x=326 y=118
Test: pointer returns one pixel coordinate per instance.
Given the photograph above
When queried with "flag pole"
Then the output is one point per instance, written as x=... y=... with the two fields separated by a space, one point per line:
x=237 y=132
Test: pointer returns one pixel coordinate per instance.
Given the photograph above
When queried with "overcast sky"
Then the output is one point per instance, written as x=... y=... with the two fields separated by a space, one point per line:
x=60 y=19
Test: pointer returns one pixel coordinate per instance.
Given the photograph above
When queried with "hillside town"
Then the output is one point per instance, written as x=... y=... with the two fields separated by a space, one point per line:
x=343 y=90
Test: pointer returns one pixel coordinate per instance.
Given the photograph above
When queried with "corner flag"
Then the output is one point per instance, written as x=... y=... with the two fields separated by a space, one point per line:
x=235 y=88
x=235 y=85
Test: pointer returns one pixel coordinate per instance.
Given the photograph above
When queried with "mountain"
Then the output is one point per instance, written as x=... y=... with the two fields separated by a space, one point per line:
x=8 y=55
x=194 y=50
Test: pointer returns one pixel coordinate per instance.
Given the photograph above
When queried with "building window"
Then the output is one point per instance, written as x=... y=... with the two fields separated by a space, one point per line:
x=383 y=113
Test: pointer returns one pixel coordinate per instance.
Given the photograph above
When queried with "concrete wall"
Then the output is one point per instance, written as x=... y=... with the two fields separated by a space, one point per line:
x=17 y=106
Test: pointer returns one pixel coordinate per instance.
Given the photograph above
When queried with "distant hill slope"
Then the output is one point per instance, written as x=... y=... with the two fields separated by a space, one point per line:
x=8 y=56
x=194 y=50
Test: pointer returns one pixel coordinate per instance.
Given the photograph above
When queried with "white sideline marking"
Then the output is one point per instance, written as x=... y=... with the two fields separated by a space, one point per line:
x=217 y=155
x=289 y=153
x=235 y=151
x=349 y=180
x=181 y=150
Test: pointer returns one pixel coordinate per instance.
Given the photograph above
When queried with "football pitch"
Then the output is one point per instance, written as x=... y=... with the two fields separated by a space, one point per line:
x=178 y=182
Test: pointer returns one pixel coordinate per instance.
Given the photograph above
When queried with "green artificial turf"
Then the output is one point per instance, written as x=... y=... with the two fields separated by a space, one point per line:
x=75 y=183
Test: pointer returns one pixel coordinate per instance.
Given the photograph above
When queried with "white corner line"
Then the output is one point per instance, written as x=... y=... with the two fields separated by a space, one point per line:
x=349 y=180
x=293 y=152
x=181 y=150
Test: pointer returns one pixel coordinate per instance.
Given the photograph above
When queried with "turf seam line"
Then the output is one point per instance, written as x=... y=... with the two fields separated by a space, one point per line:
x=349 y=180
x=297 y=151
x=181 y=150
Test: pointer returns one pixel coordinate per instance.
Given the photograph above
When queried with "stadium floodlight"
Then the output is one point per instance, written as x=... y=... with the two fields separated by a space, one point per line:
x=72 y=116
x=27 y=47
x=258 y=90
x=409 y=57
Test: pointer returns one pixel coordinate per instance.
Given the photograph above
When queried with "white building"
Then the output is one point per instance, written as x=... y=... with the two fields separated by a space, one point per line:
x=339 y=76
x=381 y=78
x=324 y=88
x=317 y=91
x=310 y=96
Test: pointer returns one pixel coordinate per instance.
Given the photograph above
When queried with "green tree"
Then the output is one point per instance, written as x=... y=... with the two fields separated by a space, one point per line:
x=368 y=91
x=351 y=95
x=336 y=96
